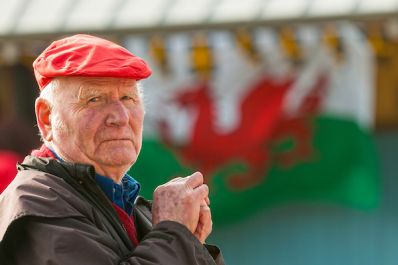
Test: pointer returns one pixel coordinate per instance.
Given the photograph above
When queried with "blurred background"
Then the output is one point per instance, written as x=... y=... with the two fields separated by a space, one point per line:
x=289 y=108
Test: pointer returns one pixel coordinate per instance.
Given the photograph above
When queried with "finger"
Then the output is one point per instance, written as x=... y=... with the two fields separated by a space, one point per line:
x=198 y=232
x=204 y=214
x=205 y=224
x=194 y=180
x=207 y=200
x=176 y=179
x=201 y=192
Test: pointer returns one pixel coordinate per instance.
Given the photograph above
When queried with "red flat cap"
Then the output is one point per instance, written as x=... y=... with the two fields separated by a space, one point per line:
x=85 y=55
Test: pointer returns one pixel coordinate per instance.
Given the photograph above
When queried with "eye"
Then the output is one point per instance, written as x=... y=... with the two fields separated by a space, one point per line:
x=94 y=99
x=128 y=98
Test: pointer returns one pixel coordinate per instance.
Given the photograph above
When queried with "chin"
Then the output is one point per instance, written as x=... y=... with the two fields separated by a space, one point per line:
x=117 y=154
x=121 y=158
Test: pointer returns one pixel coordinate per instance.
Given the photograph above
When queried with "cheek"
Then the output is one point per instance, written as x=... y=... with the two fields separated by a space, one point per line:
x=137 y=118
x=60 y=126
x=87 y=126
x=137 y=115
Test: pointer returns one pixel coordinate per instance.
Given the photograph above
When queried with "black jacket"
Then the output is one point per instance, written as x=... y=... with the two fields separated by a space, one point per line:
x=55 y=213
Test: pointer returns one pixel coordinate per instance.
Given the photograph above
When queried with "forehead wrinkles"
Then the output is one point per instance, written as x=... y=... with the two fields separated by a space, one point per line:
x=84 y=92
x=98 y=86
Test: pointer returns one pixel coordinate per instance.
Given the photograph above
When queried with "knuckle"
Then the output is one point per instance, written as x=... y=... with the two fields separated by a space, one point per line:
x=205 y=189
x=188 y=198
x=199 y=174
x=159 y=189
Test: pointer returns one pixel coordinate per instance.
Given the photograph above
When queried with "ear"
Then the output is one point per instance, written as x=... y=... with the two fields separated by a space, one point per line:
x=43 y=112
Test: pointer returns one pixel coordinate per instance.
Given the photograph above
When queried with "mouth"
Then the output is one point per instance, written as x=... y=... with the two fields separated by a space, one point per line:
x=117 y=140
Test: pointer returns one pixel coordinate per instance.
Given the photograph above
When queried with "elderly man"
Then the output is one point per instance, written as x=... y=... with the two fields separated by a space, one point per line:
x=72 y=201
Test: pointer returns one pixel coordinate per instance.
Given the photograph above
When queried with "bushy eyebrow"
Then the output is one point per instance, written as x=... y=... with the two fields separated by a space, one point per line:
x=85 y=92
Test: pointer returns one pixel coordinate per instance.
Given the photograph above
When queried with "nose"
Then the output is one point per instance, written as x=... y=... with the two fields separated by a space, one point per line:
x=117 y=114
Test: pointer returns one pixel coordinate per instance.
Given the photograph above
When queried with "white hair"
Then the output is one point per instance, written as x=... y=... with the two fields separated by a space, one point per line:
x=140 y=90
x=49 y=92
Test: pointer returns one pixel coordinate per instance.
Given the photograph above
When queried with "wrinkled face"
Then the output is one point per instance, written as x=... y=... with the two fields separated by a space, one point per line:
x=98 y=121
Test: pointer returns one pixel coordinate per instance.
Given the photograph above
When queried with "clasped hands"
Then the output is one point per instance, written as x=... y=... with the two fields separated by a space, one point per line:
x=186 y=201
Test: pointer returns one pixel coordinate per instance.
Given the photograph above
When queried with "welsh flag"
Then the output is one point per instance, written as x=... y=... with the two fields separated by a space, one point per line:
x=263 y=127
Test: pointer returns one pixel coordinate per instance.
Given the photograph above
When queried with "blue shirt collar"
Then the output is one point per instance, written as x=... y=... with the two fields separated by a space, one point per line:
x=123 y=194
x=55 y=154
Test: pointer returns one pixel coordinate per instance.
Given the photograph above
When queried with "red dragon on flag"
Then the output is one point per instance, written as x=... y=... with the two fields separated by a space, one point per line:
x=263 y=124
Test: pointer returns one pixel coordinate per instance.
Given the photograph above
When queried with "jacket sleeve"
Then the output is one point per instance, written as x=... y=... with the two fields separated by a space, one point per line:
x=42 y=241
x=174 y=244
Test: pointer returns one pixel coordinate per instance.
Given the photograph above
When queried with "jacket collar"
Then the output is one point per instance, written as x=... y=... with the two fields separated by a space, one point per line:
x=53 y=166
